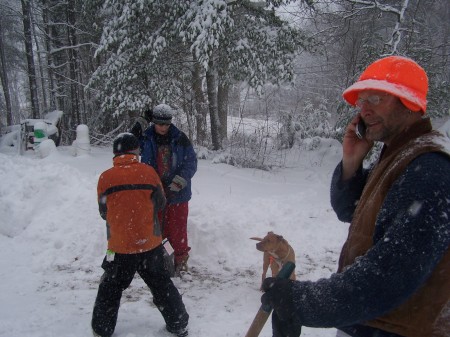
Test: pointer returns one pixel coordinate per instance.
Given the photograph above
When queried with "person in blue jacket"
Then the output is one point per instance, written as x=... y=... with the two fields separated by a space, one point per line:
x=393 y=277
x=170 y=152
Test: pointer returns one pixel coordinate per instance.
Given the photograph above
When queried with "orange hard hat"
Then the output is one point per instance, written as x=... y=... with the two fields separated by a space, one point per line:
x=396 y=75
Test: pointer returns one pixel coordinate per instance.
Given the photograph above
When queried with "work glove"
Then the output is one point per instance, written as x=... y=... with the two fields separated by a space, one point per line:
x=177 y=184
x=278 y=294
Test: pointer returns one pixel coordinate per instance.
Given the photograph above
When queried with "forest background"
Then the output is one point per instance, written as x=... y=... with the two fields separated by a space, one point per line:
x=284 y=63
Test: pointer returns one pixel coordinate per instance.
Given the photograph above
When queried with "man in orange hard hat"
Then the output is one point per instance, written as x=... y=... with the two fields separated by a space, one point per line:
x=393 y=277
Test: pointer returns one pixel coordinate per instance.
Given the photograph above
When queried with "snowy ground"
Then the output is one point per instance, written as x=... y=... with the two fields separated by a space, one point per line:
x=52 y=241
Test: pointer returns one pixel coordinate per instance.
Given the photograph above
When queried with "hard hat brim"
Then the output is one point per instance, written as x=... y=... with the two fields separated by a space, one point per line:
x=407 y=97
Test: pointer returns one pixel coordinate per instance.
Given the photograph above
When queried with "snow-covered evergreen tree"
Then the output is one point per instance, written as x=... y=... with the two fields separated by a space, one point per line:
x=150 y=48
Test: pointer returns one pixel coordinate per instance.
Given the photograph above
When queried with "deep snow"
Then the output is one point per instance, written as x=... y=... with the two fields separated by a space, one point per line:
x=53 y=240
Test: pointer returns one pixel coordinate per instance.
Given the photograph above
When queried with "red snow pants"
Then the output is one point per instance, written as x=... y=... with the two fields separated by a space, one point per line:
x=173 y=219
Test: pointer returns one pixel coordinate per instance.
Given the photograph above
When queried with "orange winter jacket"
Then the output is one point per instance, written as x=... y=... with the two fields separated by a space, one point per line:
x=129 y=197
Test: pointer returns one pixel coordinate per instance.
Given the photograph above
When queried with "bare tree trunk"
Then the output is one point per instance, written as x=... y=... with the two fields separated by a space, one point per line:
x=213 y=113
x=26 y=11
x=200 y=104
x=73 y=62
x=41 y=68
x=4 y=78
x=446 y=45
x=53 y=102
x=186 y=104
x=56 y=31
x=222 y=100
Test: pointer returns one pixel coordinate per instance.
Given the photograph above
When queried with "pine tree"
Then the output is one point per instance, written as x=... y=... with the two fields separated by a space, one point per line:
x=150 y=46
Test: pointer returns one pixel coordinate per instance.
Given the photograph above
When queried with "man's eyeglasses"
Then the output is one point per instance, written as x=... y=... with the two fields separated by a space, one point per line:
x=372 y=100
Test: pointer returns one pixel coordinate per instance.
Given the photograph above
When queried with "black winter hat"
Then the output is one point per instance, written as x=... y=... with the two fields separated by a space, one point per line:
x=125 y=143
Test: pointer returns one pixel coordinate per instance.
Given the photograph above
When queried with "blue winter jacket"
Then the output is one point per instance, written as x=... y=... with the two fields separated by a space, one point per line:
x=184 y=160
x=406 y=250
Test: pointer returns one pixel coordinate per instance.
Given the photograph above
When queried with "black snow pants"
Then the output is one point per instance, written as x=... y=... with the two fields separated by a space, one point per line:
x=118 y=276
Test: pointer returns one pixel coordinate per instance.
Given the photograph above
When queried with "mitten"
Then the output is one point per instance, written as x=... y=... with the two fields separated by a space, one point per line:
x=282 y=328
x=177 y=184
x=278 y=294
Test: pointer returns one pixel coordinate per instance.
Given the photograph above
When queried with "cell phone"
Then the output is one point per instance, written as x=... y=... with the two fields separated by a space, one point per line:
x=360 y=129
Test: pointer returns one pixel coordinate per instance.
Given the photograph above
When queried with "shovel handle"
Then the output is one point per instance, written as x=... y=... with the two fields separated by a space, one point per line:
x=264 y=311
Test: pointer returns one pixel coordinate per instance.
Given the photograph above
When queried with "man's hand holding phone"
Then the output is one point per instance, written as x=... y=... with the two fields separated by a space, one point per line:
x=355 y=147
x=360 y=129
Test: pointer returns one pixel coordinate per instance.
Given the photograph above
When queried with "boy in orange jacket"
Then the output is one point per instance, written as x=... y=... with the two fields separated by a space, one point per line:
x=129 y=197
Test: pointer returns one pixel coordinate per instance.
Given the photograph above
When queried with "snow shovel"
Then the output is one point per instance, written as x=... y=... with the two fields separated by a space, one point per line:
x=264 y=311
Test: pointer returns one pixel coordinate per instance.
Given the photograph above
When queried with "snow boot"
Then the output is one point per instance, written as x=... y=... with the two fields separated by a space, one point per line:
x=97 y=335
x=183 y=332
x=181 y=266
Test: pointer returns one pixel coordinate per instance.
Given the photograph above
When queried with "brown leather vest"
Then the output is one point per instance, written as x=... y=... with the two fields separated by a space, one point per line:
x=427 y=312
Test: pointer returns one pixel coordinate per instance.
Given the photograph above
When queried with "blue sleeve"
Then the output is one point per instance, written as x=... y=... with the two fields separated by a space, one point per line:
x=186 y=168
x=190 y=164
x=344 y=195
x=148 y=146
x=189 y=161
x=412 y=235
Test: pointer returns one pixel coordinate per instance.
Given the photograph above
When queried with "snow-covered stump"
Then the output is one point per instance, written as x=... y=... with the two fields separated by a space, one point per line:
x=46 y=148
x=81 y=145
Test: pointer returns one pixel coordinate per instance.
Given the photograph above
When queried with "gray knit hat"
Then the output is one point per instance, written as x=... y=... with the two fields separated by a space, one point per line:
x=162 y=114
